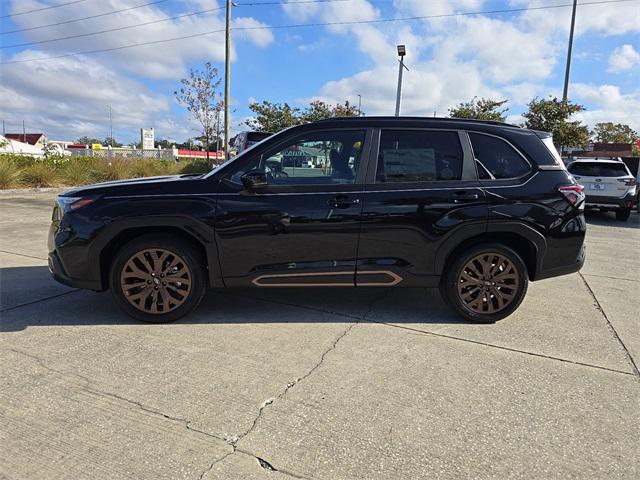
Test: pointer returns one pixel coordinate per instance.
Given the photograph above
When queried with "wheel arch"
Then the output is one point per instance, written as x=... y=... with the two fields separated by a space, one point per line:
x=529 y=247
x=119 y=235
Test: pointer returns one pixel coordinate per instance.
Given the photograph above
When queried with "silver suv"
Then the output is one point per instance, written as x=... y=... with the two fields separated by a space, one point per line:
x=608 y=185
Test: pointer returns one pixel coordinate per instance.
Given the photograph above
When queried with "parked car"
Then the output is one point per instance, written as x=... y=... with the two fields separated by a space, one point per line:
x=609 y=185
x=244 y=140
x=477 y=209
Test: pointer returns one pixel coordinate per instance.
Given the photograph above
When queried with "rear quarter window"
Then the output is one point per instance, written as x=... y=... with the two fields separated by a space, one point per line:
x=496 y=159
x=595 y=169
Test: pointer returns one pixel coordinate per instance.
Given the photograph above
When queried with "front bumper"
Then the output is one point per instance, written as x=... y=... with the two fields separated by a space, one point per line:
x=60 y=275
x=604 y=202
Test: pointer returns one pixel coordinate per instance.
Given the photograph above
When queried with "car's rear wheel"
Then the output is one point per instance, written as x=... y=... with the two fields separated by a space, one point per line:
x=485 y=283
x=623 y=214
x=158 y=279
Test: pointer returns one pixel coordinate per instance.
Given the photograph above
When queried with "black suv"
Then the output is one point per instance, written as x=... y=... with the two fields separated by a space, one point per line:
x=476 y=208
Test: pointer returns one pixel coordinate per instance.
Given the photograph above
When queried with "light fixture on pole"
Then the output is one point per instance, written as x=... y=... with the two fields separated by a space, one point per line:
x=402 y=51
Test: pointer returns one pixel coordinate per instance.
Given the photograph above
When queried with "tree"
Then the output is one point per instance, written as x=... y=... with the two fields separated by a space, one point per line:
x=108 y=141
x=482 y=109
x=164 y=143
x=273 y=117
x=554 y=116
x=87 y=140
x=608 y=132
x=199 y=94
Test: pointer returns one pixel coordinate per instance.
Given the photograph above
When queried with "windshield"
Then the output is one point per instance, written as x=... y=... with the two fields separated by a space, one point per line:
x=222 y=165
x=598 y=169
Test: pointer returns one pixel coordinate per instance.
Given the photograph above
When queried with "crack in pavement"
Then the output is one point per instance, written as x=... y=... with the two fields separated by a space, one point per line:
x=610 y=325
x=609 y=277
x=15 y=307
x=23 y=255
x=261 y=461
x=442 y=335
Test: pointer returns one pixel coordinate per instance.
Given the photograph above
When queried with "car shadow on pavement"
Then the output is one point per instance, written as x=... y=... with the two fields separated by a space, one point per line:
x=608 y=219
x=29 y=297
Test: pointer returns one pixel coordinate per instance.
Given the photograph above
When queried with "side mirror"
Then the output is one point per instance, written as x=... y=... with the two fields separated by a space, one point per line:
x=254 y=179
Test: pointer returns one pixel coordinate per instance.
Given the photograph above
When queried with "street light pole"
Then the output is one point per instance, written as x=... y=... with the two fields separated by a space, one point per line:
x=227 y=79
x=110 y=125
x=359 y=105
x=568 y=68
x=401 y=53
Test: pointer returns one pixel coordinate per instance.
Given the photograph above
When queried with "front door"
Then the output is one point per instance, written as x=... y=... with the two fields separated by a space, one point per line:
x=302 y=228
x=422 y=197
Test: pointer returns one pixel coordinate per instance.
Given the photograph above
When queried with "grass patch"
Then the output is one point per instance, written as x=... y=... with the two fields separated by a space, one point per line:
x=23 y=171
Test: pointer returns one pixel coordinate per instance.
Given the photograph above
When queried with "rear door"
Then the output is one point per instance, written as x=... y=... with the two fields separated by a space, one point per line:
x=421 y=196
x=302 y=229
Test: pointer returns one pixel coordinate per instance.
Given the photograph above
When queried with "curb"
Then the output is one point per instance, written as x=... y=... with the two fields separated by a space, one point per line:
x=10 y=191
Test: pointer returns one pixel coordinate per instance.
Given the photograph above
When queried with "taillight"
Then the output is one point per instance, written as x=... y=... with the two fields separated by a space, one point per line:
x=629 y=182
x=573 y=193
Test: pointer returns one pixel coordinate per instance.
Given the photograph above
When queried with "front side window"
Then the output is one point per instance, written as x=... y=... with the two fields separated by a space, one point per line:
x=329 y=157
x=496 y=159
x=419 y=156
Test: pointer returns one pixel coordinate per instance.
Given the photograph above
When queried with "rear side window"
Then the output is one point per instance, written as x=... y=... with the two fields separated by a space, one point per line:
x=419 y=156
x=496 y=159
x=595 y=169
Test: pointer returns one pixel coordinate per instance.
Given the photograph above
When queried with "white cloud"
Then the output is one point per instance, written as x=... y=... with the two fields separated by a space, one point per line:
x=161 y=60
x=608 y=104
x=69 y=96
x=623 y=58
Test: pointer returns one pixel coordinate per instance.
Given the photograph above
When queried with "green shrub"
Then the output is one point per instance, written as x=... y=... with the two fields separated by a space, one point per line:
x=9 y=173
x=78 y=171
x=39 y=174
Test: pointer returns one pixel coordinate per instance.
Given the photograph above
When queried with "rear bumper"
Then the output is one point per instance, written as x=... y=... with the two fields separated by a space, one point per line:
x=564 y=269
x=598 y=201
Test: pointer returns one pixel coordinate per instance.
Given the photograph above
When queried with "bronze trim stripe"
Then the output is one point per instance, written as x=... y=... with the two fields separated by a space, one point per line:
x=395 y=279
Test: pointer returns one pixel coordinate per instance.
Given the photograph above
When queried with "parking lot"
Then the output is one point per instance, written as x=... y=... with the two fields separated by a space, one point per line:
x=322 y=384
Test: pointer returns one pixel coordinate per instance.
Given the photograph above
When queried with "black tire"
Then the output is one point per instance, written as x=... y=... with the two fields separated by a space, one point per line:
x=191 y=271
x=452 y=279
x=623 y=214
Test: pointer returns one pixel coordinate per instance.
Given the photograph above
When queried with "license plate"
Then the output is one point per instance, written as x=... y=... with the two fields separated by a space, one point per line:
x=597 y=186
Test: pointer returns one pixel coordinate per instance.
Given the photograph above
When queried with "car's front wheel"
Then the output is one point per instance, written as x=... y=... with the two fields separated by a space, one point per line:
x=158 y=278
x=623 y=214
x=485 y=283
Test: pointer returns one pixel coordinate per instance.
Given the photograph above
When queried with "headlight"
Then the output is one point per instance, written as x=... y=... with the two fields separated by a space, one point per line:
x=73 y=203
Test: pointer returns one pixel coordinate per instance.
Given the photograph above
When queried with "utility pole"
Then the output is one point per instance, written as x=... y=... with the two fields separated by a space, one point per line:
x=110 y=125
x=401 y=53
x=227 y=80
x=568 y=68
x=24 y=133
x=359 y=105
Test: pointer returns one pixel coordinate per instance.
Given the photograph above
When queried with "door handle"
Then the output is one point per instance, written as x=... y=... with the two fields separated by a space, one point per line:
x=343 y=202
x=460 y=197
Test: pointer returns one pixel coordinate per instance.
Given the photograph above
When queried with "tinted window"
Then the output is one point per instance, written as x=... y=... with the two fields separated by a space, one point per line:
x=419 y=156
x=318 y=158
x=595 y=169
x=496 y=159
x=255 y=137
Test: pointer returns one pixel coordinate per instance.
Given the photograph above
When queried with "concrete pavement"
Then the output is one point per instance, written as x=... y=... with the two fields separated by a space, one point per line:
x=326 y=384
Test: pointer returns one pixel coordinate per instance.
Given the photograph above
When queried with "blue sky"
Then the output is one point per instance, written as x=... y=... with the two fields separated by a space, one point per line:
x=513 y=56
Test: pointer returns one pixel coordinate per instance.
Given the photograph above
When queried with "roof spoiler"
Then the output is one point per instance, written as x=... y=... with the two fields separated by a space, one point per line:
x=542 y=134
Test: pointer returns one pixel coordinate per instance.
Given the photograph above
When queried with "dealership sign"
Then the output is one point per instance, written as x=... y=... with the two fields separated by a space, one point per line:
x=147 y=138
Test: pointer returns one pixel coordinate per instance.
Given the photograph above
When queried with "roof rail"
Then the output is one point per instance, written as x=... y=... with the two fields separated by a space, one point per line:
x=440 y=119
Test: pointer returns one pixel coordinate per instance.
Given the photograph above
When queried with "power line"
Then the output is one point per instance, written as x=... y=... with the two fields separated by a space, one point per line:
x=113 y=12
x=303 y=25
x=42 y=8
x=115 y=29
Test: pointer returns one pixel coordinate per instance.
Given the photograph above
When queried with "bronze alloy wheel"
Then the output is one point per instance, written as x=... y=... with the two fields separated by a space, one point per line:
x=156 y=281
x=488 y=283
